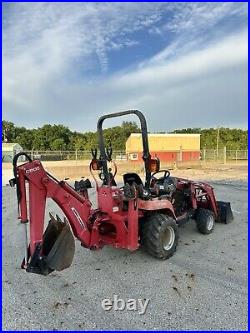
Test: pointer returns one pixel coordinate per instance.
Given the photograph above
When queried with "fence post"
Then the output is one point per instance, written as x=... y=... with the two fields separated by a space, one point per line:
x=76 y=157
x=204 y=155
x=225 y=155
x=236 y=156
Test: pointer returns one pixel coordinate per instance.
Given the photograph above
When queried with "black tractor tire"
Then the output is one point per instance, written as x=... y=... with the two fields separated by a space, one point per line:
x=159 y=235
x=205 y=221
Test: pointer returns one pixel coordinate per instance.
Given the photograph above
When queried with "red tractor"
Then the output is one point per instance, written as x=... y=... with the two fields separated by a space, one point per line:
x=136 y=214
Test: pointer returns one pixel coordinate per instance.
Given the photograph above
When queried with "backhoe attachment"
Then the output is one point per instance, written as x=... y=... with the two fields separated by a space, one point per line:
x=58 y=244
x=53 y=249
x=57 y=250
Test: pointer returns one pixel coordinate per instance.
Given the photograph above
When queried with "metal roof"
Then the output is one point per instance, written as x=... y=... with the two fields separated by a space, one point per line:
x=167 y=134
x=7 y=146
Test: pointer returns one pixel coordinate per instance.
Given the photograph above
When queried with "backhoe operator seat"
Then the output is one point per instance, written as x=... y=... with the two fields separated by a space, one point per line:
x=131 y=178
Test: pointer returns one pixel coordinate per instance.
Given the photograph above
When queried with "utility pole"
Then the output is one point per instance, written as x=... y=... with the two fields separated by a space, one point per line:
x=218 y=139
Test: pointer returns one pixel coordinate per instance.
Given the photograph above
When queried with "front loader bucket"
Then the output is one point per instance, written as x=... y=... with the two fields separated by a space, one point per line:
x=58 y=244
x=225 y=212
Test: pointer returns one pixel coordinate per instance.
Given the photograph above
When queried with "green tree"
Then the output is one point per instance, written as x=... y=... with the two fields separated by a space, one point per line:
x=80 y=142
x=59 y=137
x=58 y=144
x=25 y=137
x=8 y=131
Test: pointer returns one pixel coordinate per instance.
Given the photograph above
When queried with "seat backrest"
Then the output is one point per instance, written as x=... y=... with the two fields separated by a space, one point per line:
x=130 y=178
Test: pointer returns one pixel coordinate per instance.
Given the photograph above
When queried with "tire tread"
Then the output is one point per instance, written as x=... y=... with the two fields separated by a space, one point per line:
x=151 y=232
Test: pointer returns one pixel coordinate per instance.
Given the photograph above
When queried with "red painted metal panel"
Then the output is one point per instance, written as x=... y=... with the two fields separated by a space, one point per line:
x=172 y=156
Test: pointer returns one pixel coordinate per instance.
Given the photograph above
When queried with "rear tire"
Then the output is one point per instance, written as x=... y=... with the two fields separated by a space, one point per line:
x=159 y=236
x=205 y=221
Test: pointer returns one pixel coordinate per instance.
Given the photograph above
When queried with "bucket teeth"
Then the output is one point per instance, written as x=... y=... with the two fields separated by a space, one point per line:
x=58 y=219
x=52 y=218
x=55 y=219
x=58 y=244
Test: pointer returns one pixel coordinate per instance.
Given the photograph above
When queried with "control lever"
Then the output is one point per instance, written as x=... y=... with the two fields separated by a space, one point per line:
x=109 y=151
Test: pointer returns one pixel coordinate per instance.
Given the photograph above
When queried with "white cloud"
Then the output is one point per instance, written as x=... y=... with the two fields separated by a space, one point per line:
x=211 y=59
x=203 y=88
x=69 y=30
x=196 y=16
x=46 y=45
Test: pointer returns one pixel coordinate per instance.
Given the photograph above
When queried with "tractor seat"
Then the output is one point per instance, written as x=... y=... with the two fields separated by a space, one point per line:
x=131 y=178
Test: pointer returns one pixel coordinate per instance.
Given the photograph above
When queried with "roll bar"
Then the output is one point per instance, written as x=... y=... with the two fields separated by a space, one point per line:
x=103 y=155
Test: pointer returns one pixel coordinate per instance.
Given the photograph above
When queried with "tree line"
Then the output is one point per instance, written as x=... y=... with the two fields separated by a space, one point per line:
x=232 y=138
x=60 y=137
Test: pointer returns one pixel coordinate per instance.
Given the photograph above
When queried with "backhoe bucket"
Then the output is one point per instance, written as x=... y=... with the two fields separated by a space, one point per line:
x=225 y=212
x=58 y=244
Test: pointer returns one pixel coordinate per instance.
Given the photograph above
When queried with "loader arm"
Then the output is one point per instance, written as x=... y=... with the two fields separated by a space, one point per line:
x=42 y=185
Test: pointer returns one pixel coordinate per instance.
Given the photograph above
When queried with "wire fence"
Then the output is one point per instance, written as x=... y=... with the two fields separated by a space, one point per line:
x=76 y=155
x=224 y=155
x=206 y=155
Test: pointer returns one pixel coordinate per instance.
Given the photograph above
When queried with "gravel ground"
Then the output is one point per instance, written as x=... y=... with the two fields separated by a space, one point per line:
x=202 y=287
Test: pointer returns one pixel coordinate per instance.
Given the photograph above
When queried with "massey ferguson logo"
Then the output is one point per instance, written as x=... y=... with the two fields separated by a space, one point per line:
x=32 y=170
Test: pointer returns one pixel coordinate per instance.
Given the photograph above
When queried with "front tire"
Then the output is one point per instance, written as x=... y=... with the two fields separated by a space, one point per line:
x=205 y=221
x=159 y=235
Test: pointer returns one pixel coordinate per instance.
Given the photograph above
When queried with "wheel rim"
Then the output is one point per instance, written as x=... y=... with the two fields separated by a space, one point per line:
x=210 y=223
x=168 y=238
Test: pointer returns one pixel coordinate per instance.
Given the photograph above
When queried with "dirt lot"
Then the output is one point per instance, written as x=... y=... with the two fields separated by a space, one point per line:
x=74 y=170
x=202 y=287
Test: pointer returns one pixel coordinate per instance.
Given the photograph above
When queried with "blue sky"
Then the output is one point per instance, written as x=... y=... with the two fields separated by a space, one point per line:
x=182 y=64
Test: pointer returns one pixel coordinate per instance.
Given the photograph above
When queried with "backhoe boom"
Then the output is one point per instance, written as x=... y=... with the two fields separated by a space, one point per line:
x=41 y=185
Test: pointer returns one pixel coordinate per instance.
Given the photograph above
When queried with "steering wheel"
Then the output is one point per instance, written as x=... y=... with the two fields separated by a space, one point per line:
x=166 y=175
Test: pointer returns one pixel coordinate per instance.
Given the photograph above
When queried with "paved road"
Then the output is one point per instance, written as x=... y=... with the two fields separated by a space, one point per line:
x=202 y=287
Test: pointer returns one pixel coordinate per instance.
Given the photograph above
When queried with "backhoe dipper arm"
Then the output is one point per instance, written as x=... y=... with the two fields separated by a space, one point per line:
x=41 y=185
x=103 y=156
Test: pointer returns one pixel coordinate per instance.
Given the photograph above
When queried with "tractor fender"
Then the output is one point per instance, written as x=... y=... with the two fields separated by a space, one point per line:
x=157 y=205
